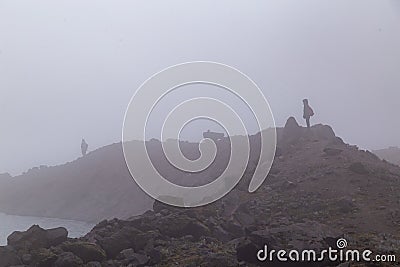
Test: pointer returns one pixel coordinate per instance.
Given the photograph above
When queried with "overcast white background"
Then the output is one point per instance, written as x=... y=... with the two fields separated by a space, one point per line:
x=69 y=68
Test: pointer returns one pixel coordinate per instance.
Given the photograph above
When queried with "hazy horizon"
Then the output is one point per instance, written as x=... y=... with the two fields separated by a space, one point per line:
x=68 y=69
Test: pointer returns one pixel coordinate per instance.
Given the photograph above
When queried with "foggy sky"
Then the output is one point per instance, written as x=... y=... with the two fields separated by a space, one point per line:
x=69 y=68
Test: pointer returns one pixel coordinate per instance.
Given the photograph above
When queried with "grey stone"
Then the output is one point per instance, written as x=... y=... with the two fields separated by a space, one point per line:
x=8 y=257
x=68 y=259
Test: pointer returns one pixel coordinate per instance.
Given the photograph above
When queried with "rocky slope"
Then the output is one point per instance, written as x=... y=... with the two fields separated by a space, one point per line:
x=319 y=189
x=95 y=187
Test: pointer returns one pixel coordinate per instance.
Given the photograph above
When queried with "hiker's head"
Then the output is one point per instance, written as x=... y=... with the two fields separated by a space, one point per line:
x=305 y=101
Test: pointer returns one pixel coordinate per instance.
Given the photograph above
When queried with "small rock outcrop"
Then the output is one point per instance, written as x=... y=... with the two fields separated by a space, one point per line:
x=86 y=251
x=37 y=237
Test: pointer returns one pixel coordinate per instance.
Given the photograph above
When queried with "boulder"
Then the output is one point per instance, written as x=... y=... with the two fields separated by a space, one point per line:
x=56 y=236
x=139 y=259
x=323 y=132
x=68 y=259
x=86 y=251
x=36 y=237
x=126 y=237
x=126 y=254
x=8 y=257
x=292 y=131
x=27 y=259
x=155 y=256
x=129 y=256
x=43 y=257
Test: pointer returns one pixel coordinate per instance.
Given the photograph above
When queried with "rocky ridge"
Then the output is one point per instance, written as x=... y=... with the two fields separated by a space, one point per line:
x=319 y=190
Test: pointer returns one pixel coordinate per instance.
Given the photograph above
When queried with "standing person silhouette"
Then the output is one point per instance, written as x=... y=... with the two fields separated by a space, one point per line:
x=307 y=112
x=84 y=147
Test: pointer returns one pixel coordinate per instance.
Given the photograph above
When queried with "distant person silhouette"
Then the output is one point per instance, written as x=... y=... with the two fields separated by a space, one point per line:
x=307 y=112
x=84 y=147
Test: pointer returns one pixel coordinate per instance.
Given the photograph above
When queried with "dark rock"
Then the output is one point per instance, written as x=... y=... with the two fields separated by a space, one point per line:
x=126 y=237
x=292 y=131
x=43 y=257
x=86 y=251
x=101 y=224
x=140 y=259
x=36 y=237
x=165 y=212
x=246 y=251
x=155 y=256
x=338 y=141
x=278 y=152
x=56 y=236
x=323 y=132
x=126 y=254
x=129 y=256
x=26 y=258
x=114 y=244
x=8 y=257
x=68 y=259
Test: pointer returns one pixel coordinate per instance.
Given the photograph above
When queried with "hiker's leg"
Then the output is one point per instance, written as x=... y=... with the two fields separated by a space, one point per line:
x=308 y=122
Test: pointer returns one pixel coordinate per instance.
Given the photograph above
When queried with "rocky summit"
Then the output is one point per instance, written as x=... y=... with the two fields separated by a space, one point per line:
x=319 y=190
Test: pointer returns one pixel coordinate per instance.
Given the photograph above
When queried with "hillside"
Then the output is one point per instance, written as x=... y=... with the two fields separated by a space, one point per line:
x=95 y=187
x=319 y=190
